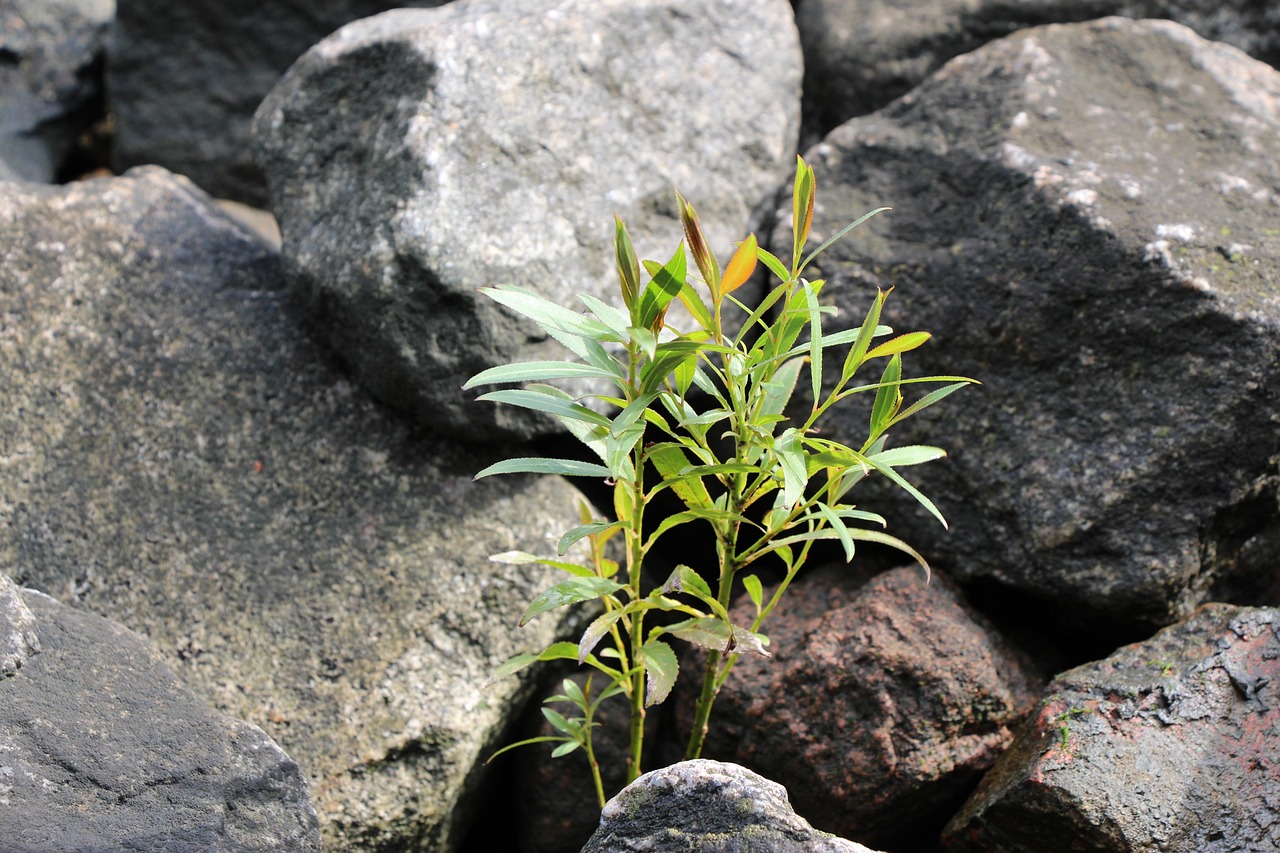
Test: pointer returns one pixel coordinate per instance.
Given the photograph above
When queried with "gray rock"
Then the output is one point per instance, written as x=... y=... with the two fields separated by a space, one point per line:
x=1085 y=217
x=708 y=807
x=51 y=54
x=18 y=638
x=103 y=748
x=181 y=458
x=418 y=155
x=186 y=77
x=884 y=702
x=1167 y=745
x=861 y=54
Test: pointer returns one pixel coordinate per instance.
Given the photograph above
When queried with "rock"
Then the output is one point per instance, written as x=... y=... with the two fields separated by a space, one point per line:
x=186 y=77
x=51 y=55
x=181 y=458
x=18 y=638
x=861 y=54
x=881 y=707
x=105 y=749
x=710 y=807
x=1169 y=745
x=1084 y=216
x=418 y=155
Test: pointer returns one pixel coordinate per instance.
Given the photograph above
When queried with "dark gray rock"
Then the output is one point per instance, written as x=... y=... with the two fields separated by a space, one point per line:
x=1085 y=217
x=103 y=748
x=18 y=638
x=861 y=54
x=51 y=55
x=881 y=707
x=708 y=807
x=186 y=77
x=1168 y=745
x=181 y=458
x=418 y=155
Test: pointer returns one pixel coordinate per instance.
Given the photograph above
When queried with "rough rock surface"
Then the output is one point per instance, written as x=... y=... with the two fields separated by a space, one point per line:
x=881 y=707
x=710 y=807
x=18 y=638
x=1085 y=216
x=186 y=77
x=50 y=81
x=861 y=54
x=418 y=155
x=180 y=457
x=1171 y=744
x=103 y=748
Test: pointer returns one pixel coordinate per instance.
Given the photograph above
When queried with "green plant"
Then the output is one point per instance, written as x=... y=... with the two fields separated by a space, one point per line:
x=776 y=490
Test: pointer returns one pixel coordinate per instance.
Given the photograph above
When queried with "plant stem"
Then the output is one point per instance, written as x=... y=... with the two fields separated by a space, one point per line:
x=635 y=558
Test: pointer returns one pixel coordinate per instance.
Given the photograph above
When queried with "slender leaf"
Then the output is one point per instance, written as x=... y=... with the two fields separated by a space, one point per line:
x=671 y=461
x=702 y=255
x=711 y=632
x=518 y=557
x=546 y=313
x=540 y=402
x=569 y=592
x=596 y=631
x=815 y=340
x=628 y=268
x=527 y=742
x=530 y=465
x=902 y=343
x=888 y=397
x=662 y=668
x=893 y=542
x=837 y=524
x=615 y=319
x=911 y=454
x=658 y=294
x=755 y=591
x=843 y=231
x=928 y=400
x=696 y=306
x=790 y=455
x=741 y=265
x=902 y=483
x=771 y=261
x=538 y=371
x=858 y=352
x=559 y=723
x=568 y=540
x=565 y=748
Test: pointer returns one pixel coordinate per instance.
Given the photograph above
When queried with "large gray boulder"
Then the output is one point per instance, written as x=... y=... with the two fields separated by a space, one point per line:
x=861 y=54
x=181 y=458
x=103 y=748
x=1085 y=217
x=51 y=55
x=1168 y=745
x=186 y=77
x=710 y=807
x=418 y=155
x=18 y=639
x=883 y=703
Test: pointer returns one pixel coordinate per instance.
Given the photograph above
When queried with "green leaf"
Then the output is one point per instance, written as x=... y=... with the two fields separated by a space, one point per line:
x=911 y=454
x=843 y=231
x=928 y=400
x=707 y=514
x=559 y=723
x=696 y=306
x=646 y=340
x=596 y=631
x=771 y=261
x=526 y=742
x=550 y=316
x=628 y=267
x=754 y=591
x=658 y=294
x=571 y=538
x=538 y=371
x=902 y=483
x=616 y=320
x=902 y=343
x=662 y=668
x=790 y=455
x=685 y=579
x=572 y=691
x=671 y=461
x=539 y=402
x=892 y=541
x=519 y=557
x=565 y=748
x=618 y=450
x=815 y=340
x=888 y=396
x=778 y=390
x=837 y=524
x=569 y=592
x=711 y=632
x=512 y=666
x=531 y=465
x=858 y=352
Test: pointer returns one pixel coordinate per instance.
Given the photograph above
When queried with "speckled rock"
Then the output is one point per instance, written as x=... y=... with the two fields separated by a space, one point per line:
x=186 y=77
x=103 y=748
x=1172 y=744
x=180 y=457
x=861 y=54
x=18 y=638
x=709 y=807
x=883 y=703
x=420 y=154
x=1085 y=216
x=51 y=55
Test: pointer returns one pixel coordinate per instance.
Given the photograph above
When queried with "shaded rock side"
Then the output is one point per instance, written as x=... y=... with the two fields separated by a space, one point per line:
x=418 y=155
x=181 y=458
x=1169 y=745
x=881 y=707
x=861 y=54
x=18 y=638
x=51 y=57
x=186 y=77
x=1085 y=217
x=103 y=748
x=710 y=807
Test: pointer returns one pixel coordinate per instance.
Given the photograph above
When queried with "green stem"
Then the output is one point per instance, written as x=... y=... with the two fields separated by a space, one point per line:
x=635 y=560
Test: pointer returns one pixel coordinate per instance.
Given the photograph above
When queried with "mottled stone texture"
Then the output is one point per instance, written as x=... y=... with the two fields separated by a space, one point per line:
x=185 y=78
x=103 y=748
x=1172 y=744
x=18 y=638
x=710 y=807
x=420 y=154
x=881 y=707
x=861 y=54
x=1085 y=216
x=180 y=457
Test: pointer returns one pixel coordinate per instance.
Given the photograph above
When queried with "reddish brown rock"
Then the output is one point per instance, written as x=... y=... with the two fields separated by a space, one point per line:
x=881 y=707
x=1172 y=744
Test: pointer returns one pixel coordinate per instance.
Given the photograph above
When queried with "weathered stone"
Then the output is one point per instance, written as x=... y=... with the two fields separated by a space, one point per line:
x=1169 y=745
x=50 y=81
x=710 y=807
x=861 y=54
x=418 y=155
x=186 y=77
x=180 y=457
x=18 y=638
x=103 y=748
x=882 y=705
x=1085 y=218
